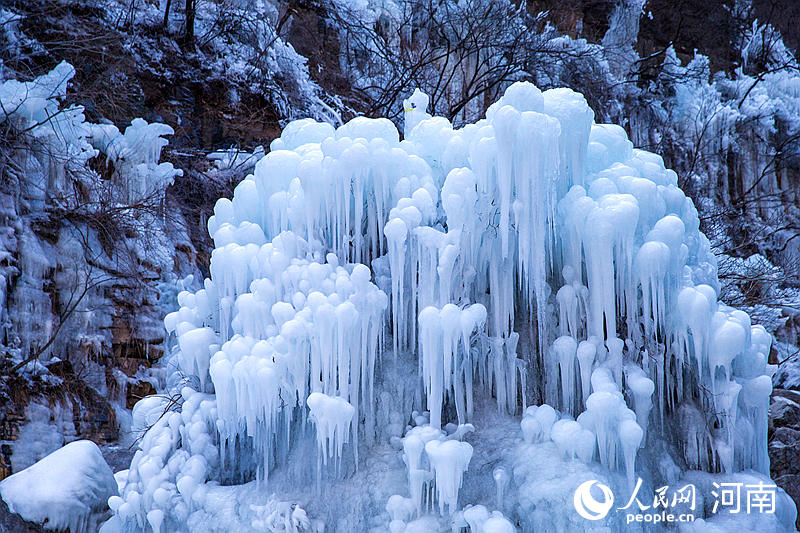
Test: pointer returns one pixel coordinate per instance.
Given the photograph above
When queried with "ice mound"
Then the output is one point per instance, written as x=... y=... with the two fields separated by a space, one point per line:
x=531 y=254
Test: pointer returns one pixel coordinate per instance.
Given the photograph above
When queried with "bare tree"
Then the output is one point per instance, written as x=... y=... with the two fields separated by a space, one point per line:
x=166 y=14
x=462 y=54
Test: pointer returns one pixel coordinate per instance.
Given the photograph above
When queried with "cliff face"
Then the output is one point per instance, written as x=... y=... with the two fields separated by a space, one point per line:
x=84 y=288
x=82 y=302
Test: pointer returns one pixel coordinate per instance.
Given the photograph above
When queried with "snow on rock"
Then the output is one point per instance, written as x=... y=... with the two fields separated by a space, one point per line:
x=63 y=490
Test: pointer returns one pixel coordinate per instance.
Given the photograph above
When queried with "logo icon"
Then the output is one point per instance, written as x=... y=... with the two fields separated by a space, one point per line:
x=587 y=506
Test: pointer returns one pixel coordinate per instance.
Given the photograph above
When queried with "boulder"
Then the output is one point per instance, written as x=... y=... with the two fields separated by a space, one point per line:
x=68 y=489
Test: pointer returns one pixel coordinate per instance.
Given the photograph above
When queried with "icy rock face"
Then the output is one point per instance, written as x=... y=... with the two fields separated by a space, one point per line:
x=67 y=295
x=63 y=490
x=46 y=430
x=54 y=283
x=530 y=239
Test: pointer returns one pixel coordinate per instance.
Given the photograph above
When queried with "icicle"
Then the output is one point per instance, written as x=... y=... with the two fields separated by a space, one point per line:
x=630 y=436
x=565 y=349
x=642 y=389
x=501 y=479
x=585 y=353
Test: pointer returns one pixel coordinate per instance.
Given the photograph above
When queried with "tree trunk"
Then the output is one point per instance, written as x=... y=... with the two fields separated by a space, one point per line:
x=190 y=11
x=166 y=15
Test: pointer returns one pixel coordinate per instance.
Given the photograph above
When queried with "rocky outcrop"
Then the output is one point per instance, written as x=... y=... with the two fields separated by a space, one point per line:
x=40 y=414
x=784 y=441
x=13 y=523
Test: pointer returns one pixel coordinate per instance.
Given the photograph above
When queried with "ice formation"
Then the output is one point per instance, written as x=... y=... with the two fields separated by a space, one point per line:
x=435 y=461
x=332 y=418
x=283 y=517
x=533 y=254
x=66 y=139
x=135 y=154
x=478 y=519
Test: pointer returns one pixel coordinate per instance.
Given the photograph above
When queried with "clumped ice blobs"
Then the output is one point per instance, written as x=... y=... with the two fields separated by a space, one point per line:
x=435 y=464
x=449 y=460
x=574 y=439
x=478 y=519
x=166 y=479
x=544 y=416
x=332 y=417
x=606 y=426
x=400 y=509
